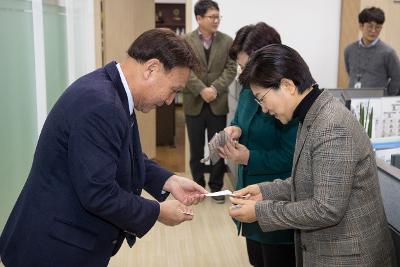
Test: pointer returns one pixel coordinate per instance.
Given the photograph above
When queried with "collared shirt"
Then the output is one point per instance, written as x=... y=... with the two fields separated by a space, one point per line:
x=207 y=42
x=130 y=99
x=129 y=95
x=302 y=109
x=370 y=45
x=127 y=90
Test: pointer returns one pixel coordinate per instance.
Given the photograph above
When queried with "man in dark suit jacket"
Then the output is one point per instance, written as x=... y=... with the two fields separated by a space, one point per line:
x=205 y=97
x=82 y=196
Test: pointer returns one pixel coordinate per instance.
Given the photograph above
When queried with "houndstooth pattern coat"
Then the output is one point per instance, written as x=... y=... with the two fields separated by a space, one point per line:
x=333 y=198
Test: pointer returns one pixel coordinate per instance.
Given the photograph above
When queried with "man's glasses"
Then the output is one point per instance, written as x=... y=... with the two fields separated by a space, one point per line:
x=213 y=18
x=259 y=101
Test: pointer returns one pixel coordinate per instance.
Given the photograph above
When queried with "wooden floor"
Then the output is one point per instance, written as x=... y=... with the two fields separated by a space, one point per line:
x=210 y=239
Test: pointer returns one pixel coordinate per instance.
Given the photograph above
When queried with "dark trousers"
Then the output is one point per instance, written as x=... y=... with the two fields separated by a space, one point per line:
x=270 y=255
x=196 y=126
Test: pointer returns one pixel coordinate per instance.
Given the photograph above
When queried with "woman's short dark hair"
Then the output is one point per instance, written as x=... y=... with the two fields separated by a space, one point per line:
x=270 y=64
x=372 y=14
x=252 y=37
x=164 y=45
x=202 y=6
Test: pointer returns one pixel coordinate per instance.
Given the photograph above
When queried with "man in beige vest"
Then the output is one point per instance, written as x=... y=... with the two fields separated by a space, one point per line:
x=205 y=98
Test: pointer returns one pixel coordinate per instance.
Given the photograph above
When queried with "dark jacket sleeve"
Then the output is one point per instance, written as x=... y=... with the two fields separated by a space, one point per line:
x=156 y=176
x=393 y=69
x=94 y=149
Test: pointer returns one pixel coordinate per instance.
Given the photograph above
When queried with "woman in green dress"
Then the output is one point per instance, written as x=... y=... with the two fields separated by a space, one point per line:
x=264 y=151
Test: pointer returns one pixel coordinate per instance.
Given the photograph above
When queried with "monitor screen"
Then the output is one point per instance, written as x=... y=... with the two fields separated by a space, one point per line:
x=346 y=94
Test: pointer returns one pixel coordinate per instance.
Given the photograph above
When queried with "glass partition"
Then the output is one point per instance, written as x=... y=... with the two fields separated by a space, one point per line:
x=55 y=47
x=18 y=133
x=30 y=77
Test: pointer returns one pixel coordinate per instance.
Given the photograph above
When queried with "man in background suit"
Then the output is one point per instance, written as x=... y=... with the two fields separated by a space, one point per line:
x=205 y=97
x=82 y=196
x=333 y=198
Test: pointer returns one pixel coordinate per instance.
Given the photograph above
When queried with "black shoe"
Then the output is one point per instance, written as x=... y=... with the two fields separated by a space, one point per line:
x=219 y=199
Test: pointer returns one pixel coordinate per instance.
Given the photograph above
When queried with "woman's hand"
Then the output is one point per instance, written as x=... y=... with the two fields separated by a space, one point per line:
x=243 y=210
x=235 y=152
x=234 y=132
x=251 y=192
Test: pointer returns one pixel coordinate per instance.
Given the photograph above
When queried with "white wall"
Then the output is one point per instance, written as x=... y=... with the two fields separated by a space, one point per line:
x=309 y=26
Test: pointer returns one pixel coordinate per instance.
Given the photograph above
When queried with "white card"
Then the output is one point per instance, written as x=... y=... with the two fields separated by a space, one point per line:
x=187 y=212
x=220 y=193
